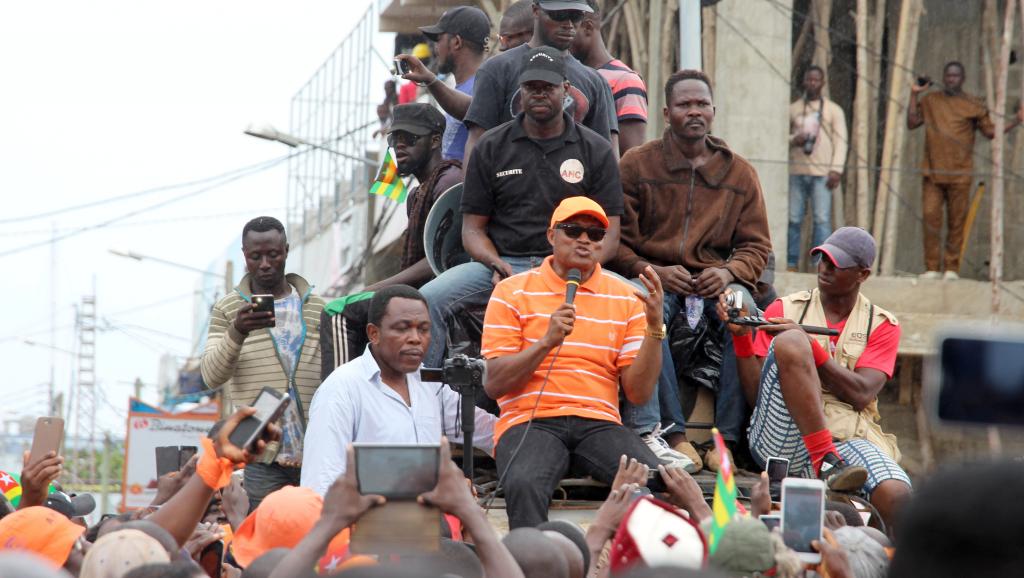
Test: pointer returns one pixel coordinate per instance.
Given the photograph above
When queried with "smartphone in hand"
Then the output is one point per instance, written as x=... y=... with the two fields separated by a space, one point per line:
x=46 y=438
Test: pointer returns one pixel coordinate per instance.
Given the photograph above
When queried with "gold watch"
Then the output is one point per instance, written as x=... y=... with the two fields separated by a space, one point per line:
x=658 y=334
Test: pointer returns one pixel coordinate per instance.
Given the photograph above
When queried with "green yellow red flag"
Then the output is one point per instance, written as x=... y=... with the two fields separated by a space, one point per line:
x=388 y=183
x=724 y=506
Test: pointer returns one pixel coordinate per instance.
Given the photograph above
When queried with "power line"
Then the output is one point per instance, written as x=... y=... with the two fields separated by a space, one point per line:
x=126 y=196
x=167 y=220
x=74 y=232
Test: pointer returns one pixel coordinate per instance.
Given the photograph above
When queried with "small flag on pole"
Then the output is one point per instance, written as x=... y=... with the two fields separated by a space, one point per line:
x=724 y=506
x=388 y=183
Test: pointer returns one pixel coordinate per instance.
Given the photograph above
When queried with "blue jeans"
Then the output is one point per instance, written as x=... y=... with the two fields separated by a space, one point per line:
x=665 y=407
x=802 y=187
x=466 y=284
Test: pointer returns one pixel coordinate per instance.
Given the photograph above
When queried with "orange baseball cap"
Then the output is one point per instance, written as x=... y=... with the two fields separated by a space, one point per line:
x=282 y=520
x=573 y=206
x=40 y=530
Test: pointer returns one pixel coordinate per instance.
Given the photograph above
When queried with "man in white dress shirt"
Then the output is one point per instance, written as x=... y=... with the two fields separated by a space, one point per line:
x=379 y=397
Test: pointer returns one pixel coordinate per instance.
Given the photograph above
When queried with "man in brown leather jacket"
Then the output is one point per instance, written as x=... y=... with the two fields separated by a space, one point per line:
x=696 y=214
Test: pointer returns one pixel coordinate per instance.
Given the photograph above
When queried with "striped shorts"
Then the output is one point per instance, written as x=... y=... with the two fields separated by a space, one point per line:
x=773 y=433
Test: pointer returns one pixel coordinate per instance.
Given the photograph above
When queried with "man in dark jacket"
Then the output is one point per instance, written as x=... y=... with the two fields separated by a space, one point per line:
x=696 y=214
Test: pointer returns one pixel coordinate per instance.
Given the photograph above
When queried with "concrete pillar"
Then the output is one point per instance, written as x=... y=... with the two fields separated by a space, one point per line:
x=752 y=98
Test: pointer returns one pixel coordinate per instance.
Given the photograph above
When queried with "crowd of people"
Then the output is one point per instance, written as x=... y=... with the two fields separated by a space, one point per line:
x=590 y=251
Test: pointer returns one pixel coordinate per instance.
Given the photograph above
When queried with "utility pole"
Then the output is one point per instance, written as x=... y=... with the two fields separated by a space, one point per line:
x=105 y=475
x=53 y=319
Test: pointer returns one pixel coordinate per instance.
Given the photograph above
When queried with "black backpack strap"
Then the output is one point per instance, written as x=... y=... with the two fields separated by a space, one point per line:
x=871 y=321
x=804 y=314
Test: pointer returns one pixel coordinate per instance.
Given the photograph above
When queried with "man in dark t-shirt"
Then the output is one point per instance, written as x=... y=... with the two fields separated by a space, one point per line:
x=497 y=97
x=520 y=172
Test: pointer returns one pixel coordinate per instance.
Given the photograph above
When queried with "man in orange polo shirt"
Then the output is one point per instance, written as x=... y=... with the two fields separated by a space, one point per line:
x=555 y=367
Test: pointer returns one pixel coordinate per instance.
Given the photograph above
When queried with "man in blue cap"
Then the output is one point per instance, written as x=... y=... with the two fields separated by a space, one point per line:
x=815 y=397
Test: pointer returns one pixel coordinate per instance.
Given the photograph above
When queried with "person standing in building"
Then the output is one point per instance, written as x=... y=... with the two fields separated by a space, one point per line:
x=460 y=39
x=247 y=350
x=817 y=154
x=951 y=118
x=628 y=90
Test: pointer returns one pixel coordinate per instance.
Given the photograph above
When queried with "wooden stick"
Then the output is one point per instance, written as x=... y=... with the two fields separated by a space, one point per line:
x=822 y=41
x=709 y=36
x=887 y=206
x=998 y=180
x=654 y=46
x=861 y=116
x=801 y=41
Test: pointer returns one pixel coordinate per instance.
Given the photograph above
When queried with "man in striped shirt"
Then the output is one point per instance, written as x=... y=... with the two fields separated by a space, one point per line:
x=628 y=90
x=555 y=367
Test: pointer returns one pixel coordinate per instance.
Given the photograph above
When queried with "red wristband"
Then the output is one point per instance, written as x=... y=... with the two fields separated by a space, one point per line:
x=743 y=345
x=819 y=353
x=215 y=472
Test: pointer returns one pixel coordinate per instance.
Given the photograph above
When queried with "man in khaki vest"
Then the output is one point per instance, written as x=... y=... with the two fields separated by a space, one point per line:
x=815 y=397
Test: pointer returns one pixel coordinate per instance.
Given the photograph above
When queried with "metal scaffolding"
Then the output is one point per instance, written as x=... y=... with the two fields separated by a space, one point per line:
x=85 y=389
x=336 y=109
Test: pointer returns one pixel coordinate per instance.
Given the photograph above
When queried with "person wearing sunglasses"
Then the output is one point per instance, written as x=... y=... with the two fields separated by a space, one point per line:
x=498 y=98
x=695 y=212
x=556 y=367
x=519 y=173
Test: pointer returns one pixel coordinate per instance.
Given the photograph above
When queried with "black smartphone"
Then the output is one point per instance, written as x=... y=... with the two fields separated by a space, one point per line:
x=264 y=304
x=401 y=67
x=923 y=81
x=977 y=378
x=211 y=559
x=167 y=460
x=185 y=454
x=778 y=470
x=270 y=406
x=397 y=471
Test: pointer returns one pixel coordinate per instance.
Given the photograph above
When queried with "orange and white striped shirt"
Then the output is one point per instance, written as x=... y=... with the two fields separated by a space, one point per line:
x=584 y=382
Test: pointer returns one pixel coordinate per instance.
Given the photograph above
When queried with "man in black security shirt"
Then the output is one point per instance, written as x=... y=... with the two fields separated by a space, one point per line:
x=519 y=173
x=496 y=94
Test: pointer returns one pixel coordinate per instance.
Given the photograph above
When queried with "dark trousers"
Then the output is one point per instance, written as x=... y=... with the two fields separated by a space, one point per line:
x=264 y=479
x=553 y=446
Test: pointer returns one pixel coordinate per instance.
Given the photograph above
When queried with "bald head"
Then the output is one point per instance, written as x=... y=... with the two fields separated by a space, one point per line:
x=538 y=555
x=570 y=552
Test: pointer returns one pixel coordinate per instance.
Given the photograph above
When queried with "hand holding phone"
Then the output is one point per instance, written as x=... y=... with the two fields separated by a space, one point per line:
x=269 y=405
x=259 y=314
x=803 y=516
x=778 y=470
x=222 y=431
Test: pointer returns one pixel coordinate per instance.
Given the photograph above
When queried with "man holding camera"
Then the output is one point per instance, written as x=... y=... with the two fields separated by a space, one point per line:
x=248 y=349
x=555 y=365
x=815 y=397
x=817 y=153
x=380 y=396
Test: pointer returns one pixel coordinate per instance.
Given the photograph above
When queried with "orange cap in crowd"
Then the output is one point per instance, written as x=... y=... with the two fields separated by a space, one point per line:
x=282 y=520
x=573 y=206
x=40 y=530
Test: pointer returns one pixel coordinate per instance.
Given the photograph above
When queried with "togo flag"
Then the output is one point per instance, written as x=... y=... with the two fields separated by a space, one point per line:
x=388 y=183
x=724 y=506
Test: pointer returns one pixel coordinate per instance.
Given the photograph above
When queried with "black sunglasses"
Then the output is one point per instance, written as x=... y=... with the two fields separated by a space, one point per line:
x=573 y=231
x=406 y=138
x=574 y=16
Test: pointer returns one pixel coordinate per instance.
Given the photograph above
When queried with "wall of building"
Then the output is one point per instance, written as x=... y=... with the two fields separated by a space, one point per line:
x=752 y=62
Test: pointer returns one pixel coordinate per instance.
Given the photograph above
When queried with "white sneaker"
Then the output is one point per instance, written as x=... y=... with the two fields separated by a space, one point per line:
x=950 y=276
x=930 y=275
x=669 y=457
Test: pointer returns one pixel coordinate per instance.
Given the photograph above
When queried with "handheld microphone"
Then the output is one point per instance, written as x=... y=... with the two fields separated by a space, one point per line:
x=571 y=284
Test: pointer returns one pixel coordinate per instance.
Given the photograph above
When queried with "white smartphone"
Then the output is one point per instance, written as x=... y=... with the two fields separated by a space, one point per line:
x=803 y=516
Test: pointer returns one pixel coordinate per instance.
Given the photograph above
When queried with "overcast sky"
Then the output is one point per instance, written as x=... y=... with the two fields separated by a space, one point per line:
x=105 y=98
